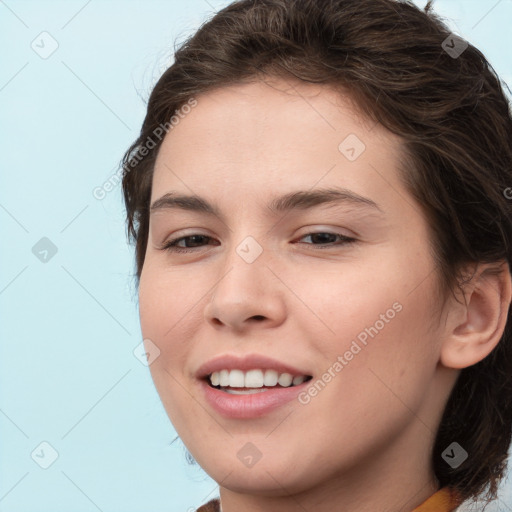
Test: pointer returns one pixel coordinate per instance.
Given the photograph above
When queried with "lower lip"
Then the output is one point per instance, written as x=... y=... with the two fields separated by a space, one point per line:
x=249 y=406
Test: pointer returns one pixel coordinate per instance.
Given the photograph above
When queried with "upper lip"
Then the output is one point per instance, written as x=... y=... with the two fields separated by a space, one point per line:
x=244 y=363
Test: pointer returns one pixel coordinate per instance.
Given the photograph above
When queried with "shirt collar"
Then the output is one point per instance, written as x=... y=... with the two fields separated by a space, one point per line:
x=444 y=500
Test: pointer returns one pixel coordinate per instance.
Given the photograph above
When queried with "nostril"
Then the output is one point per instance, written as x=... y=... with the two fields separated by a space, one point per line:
x=258 y=317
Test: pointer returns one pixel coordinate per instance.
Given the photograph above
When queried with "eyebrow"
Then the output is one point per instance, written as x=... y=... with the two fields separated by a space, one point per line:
x=297 y=200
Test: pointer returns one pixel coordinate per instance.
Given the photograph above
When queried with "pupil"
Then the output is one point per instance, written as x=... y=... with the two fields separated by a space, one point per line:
x=196 y=237
x=322 y=235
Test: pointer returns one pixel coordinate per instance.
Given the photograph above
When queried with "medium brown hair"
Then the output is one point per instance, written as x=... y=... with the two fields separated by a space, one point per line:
x=454 y=120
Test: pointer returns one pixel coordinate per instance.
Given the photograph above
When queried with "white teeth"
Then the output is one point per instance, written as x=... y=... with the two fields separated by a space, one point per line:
x=285 y=379
x=224 y=378
x=253 y=379
x=236 y=379
x=298 y=380
x=270 y=378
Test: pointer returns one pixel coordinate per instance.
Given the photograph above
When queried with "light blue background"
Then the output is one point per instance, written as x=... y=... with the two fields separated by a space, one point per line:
x=68 y=375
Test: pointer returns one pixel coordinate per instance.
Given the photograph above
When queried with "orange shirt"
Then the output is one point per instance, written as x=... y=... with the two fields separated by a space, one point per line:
x=443 y=500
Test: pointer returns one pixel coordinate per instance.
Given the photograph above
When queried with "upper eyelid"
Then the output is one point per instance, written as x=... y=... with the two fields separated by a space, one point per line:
x=310 y=229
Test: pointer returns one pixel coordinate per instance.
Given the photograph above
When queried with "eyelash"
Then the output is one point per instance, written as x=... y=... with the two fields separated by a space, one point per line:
x=171 y=245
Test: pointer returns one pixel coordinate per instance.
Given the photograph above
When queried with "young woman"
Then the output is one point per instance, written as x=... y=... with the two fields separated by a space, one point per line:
x=320 y=201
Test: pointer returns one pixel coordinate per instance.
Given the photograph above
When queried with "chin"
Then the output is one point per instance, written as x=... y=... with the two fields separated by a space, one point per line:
x=267 y=477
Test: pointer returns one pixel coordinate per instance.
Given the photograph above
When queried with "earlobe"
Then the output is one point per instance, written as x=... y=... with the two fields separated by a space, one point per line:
x=474 y=328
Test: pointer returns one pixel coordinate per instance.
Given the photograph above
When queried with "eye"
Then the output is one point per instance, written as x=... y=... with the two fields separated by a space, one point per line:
x=172 y=245
x=325 y=239
x=195 y=241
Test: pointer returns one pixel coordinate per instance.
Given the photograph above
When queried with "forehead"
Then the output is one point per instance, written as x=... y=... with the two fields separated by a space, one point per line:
x=274 y=133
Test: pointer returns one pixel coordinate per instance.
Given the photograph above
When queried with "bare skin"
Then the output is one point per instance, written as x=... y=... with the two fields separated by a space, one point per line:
x=365 y=439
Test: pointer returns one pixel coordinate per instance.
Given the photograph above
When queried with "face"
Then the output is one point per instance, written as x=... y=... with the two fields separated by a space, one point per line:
x=306 y=256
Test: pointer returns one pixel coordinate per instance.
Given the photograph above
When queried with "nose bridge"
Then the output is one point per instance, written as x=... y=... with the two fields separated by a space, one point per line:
x=245 y=271
x=246 y=288
x=248 y=248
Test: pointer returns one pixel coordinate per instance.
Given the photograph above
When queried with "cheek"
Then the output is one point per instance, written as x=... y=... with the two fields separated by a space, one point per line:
x=366 y=299
x=168 y=306
x=168 y=301
x=160 y=315
x=381 y=341
x=388 y=358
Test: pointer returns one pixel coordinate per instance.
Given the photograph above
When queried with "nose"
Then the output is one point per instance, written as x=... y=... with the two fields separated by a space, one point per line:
x=247 y=295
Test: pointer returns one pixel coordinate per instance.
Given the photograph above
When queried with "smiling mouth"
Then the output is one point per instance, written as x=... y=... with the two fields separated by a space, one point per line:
x=238 y=382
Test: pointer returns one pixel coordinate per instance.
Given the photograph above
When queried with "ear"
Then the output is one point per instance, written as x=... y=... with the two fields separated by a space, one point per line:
x=475 y=325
